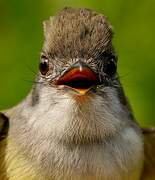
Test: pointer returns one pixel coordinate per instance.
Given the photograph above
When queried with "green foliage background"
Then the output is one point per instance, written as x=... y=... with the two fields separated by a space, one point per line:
x=21 y=38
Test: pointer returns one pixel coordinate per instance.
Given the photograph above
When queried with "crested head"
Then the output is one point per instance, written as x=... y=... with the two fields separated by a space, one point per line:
x=78 y=41
x=77 y=33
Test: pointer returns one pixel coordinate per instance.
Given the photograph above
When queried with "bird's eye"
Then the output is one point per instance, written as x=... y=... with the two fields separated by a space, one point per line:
x=44 y=65
x=111 y=66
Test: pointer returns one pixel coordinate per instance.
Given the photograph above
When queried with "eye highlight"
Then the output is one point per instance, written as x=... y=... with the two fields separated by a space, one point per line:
x=44 y=65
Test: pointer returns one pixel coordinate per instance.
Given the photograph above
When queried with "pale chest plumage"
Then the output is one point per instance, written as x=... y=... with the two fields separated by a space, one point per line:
x=114 y=161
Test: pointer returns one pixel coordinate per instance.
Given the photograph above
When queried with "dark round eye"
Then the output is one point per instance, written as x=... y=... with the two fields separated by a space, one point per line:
x=111 y=66
x=44 y=66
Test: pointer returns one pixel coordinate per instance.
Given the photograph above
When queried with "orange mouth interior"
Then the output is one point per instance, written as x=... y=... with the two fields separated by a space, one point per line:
x=80 y=80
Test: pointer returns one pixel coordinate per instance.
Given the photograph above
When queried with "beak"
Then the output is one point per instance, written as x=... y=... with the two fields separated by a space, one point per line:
x=79 y=78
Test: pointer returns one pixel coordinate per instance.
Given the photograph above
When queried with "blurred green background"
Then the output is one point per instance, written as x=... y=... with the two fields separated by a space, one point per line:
x=21 y=38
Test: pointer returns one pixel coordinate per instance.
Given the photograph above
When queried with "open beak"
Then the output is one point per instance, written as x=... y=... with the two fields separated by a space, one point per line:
x=79 y=77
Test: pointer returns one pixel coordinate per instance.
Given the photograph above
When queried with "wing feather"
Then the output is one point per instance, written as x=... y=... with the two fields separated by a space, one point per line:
x=4 y=126
x=149 y=151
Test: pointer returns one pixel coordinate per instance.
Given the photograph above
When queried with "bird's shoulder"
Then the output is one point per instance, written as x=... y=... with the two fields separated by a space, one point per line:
x=149 y=152
x=4 y=126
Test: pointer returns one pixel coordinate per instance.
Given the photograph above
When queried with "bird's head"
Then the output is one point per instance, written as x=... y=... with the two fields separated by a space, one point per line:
x=78 y=57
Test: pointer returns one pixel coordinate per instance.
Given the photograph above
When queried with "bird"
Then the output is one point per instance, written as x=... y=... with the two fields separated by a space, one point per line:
x=76 y=123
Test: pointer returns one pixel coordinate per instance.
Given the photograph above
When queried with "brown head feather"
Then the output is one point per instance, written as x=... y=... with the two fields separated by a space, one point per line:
x=77 y=33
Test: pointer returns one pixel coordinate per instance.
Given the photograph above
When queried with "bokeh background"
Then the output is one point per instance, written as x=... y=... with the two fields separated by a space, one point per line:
x=21 y=38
